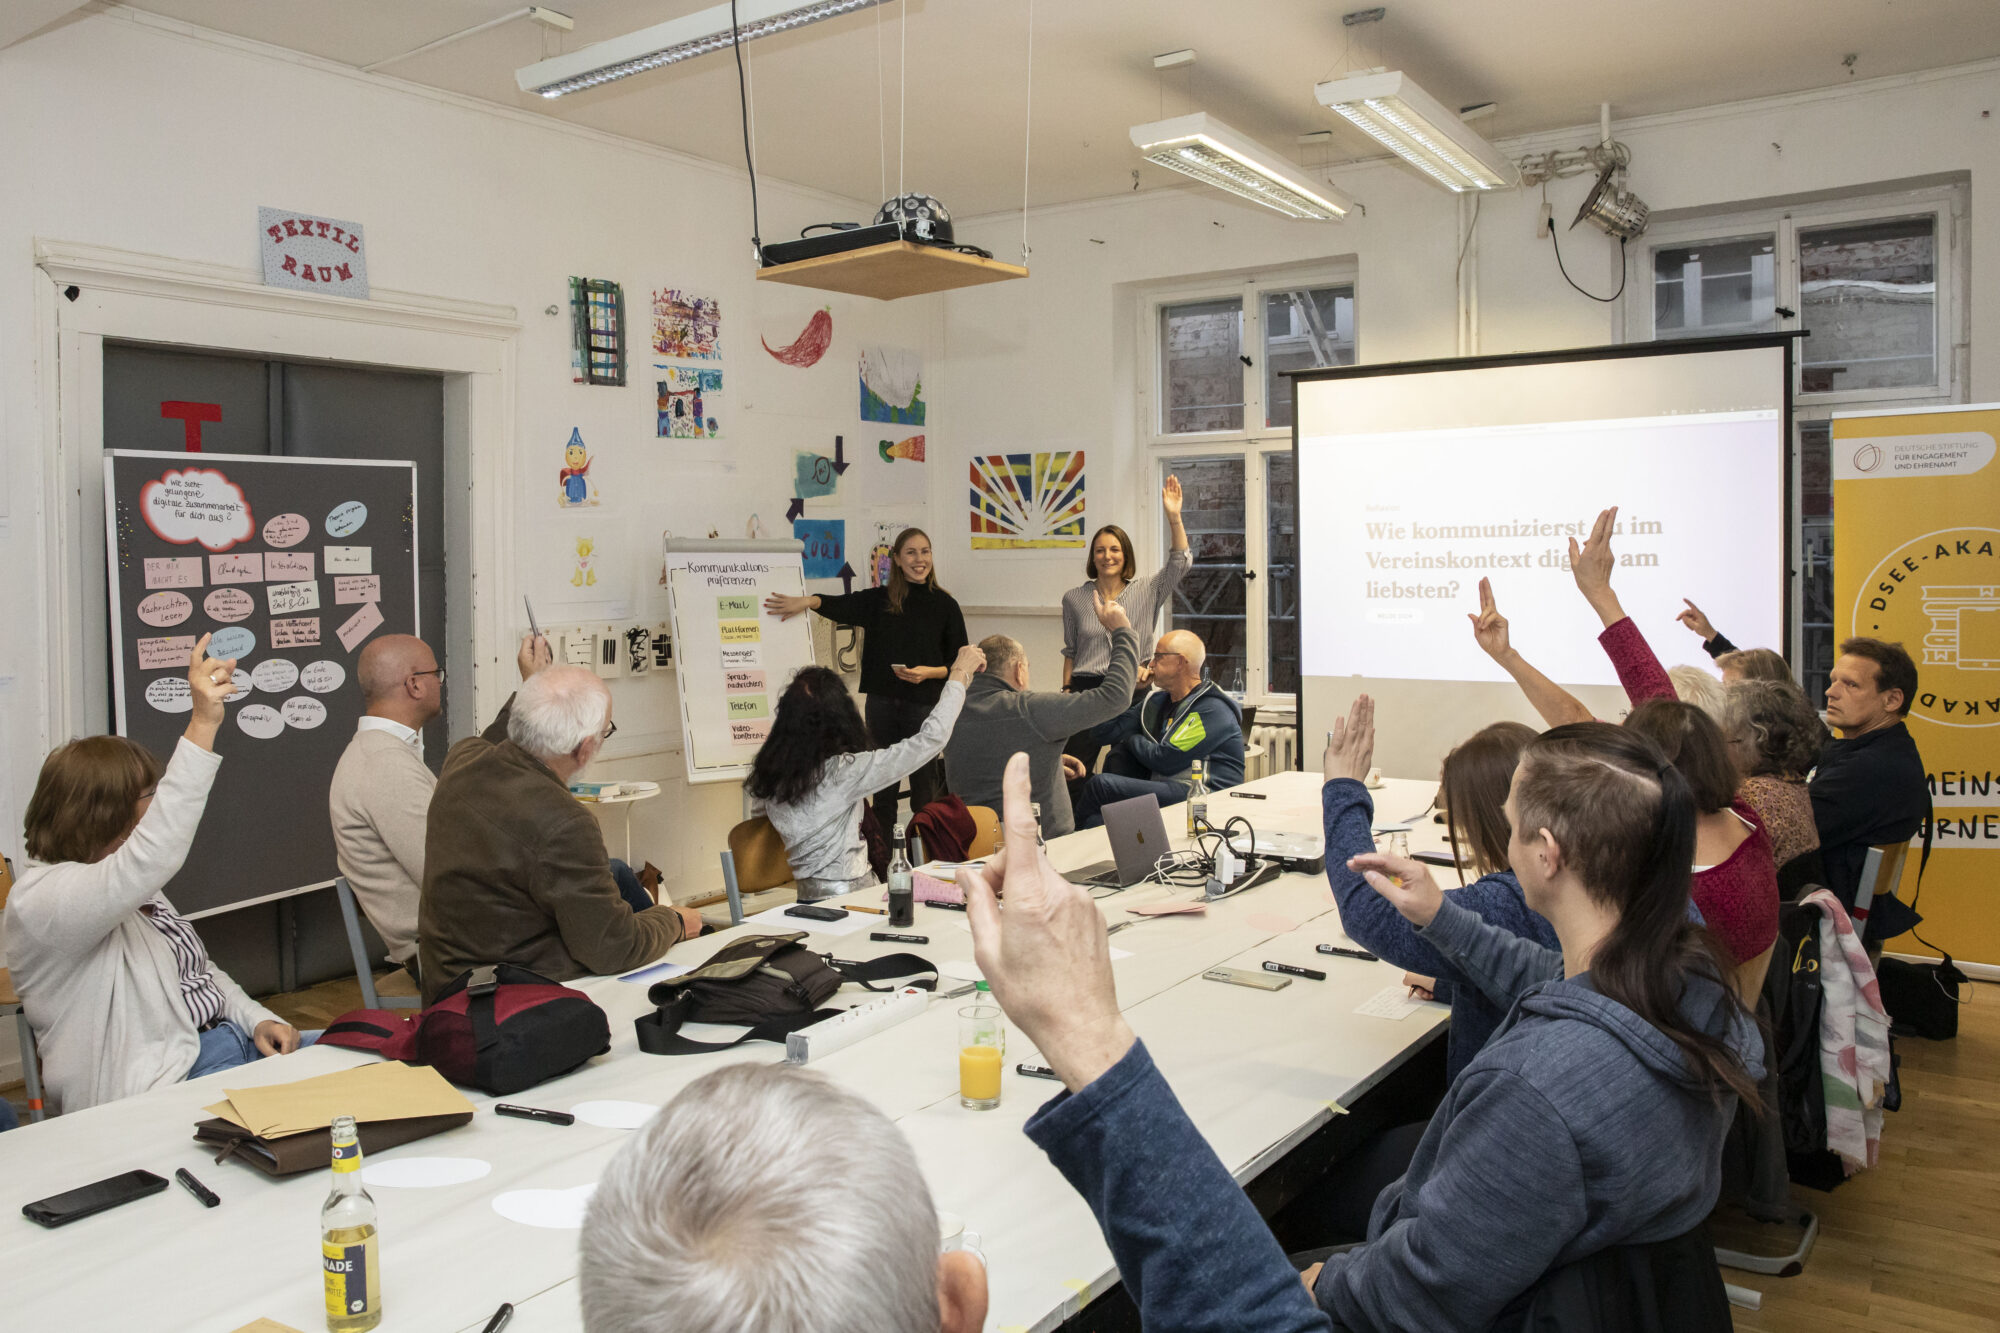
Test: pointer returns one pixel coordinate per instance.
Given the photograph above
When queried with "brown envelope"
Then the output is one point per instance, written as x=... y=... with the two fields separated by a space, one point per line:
x=391 y=1090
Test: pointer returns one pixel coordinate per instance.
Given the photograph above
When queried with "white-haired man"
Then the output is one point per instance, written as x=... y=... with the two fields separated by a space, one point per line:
x=1155 y=742
x=768 y=1197
x=515 y=869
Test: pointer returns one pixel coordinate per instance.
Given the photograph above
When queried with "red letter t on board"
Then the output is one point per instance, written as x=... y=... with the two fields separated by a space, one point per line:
x=191 y=415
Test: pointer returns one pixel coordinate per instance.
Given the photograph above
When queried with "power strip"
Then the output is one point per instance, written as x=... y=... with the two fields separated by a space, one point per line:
x=863 y=1020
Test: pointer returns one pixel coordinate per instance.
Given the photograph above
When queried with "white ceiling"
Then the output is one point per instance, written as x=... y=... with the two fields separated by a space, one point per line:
x=1548 y=63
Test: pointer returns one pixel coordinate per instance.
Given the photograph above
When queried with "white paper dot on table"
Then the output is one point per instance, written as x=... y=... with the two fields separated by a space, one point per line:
x=556 y=1210
x=415 y=1173
x=615 y=1114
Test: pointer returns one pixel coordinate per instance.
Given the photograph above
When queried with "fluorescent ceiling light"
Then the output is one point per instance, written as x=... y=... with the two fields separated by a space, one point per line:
x=674 y=41
x=1415 y=126
x=1208 y=150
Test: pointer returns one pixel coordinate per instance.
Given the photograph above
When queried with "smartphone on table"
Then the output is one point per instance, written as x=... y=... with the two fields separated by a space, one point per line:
x=62 y=1209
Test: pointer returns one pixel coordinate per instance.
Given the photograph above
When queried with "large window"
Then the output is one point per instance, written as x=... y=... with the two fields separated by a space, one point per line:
x=1877 y=285
x=1219 y=415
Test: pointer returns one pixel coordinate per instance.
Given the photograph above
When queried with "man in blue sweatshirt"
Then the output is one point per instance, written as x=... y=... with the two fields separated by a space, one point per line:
x=1155 y=743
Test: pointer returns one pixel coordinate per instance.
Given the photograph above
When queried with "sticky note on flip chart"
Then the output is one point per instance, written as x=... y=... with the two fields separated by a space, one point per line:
x=736 y=606
x=748 y=733
x=174 y=571
x=741 y=631
x=360 y=625
x=741 y=659
x=165 y=654
x=743 y=682
x=350 y=589
x=289 y=597
x=240 y=568
x=349 y=560
x=750 y=705
x=302 y=632
x=288 y=566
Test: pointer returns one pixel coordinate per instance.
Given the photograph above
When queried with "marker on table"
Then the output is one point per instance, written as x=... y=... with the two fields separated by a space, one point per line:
x=499 y=1319
x=534 y=1113
x=1362 y=954
x=1291 y=970
x=891 y=937
x=208 y=1197
x=1038 y=1071
x=1249 y=795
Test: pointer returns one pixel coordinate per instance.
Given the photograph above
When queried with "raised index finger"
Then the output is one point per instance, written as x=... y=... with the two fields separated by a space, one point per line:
x=1601 y=530
x=1486 y=596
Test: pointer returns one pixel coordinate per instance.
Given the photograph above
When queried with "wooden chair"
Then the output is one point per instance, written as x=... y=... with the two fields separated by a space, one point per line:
x=1881 y=876
x=10 y=1003
x=755 y=863
x=986 y=835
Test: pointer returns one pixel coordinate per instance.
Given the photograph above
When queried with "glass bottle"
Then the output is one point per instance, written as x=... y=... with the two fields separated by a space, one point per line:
x=902 y=899
x=1197 y=800
x=348 y=1247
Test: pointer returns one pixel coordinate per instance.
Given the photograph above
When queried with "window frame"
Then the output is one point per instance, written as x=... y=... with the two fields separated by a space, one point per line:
x=1252 y=444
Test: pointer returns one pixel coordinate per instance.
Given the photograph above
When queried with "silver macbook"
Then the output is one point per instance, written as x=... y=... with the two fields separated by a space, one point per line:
x=1138 y=840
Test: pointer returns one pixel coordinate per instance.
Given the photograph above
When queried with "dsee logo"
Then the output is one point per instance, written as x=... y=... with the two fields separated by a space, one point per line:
x=1939 y=596
x=1867 y=458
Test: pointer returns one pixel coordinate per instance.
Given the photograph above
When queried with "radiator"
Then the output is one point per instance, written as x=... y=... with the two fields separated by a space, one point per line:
x=1281 y=751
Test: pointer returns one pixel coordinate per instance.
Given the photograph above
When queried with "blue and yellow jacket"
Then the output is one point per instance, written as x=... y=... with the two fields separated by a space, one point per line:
x=1165 y=738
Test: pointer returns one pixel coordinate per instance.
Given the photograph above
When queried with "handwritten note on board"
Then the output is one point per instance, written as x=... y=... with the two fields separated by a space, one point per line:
x=239 y=568
x=287 y=598
x=741 y=631
x=748 y=733
x=359 y=626
x=229 y=605
x=300 y=633
x=288 y=566
x=741 y=659
x=162 y=609
x=286 y=529
x=165 y=654
x=173 y=571
x=743 y=682
x=350 y=589
x=349 y=560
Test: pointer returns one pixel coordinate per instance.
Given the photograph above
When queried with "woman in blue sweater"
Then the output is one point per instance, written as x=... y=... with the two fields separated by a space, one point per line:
x=1474 y=787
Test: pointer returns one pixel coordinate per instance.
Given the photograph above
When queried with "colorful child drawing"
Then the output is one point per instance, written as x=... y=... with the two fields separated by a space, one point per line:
x=576 y=489
x=685 y=326
x=586 y=563
x=687 y=403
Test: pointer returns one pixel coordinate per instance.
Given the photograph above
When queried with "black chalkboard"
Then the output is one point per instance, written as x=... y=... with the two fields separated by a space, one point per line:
x=229 y=537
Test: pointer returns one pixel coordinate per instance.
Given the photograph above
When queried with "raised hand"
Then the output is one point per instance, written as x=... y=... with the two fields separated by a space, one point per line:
x=1404 y=883
x=1489 y=627
x=1696 y=621
x=535 y=653
x=1047 y=957
x=1110 y=612
x=1590 y=565
x=969 y=663
x=1170 y=496
x=1350 y=746
x=209 y=681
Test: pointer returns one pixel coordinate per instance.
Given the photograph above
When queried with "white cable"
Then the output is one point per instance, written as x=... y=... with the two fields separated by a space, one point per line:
x=1028 y=133
x=903 y=101
x=881 y=106
x=750 y=97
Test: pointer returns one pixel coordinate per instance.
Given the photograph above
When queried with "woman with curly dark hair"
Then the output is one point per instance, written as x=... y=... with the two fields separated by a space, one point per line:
x=816 y=768
x=1775 y=737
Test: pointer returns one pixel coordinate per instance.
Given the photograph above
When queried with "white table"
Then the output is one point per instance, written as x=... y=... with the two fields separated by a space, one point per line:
x=449 y=1259
x=626 y=799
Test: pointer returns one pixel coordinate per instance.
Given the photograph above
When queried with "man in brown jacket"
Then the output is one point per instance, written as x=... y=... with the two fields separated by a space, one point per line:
x=515 y=869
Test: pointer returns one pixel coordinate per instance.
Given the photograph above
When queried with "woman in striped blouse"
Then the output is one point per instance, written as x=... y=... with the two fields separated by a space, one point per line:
x=117 y=986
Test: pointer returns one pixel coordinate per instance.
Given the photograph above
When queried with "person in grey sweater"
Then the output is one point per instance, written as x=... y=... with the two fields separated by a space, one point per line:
x=1003 y=716
x=815 y=770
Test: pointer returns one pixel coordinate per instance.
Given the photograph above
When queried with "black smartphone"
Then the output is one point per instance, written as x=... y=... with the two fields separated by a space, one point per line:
x=812 y=913
x=1434 y=858
x=59 y=1209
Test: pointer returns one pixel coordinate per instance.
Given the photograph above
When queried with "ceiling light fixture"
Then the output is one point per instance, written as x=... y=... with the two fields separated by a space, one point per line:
x=1201 y=146
x=1391 y=109
x=676 y=40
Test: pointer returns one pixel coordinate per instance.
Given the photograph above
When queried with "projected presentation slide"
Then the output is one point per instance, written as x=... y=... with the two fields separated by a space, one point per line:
x=1399 y=521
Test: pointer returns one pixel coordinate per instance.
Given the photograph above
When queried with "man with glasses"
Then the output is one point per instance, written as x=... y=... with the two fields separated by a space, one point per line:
x=515 y=869
x=1156 y=741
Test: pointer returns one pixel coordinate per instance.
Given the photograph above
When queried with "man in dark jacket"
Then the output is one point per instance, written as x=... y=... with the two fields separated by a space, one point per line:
x=1002 y=715
x=1869 y=789
x=1155 y=743
x=515 y=869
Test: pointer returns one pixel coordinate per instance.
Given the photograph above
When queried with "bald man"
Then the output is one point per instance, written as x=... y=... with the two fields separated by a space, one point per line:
x=382 y=787
x=1155 y=742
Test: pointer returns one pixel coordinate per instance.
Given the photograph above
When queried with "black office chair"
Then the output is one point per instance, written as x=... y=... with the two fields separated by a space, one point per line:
x=1667 y=1286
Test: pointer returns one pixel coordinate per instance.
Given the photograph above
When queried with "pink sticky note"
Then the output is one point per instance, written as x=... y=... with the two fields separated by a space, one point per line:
x=165 y=654
x=183 y=571
x=749 y=733
x=302 y=632
x=743 y=682
x=288 y=566
x=240 y=568
x=360 y=625
x=349 y=589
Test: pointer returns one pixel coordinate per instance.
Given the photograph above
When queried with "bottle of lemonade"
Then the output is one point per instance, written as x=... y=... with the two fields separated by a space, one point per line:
x=347 y=1240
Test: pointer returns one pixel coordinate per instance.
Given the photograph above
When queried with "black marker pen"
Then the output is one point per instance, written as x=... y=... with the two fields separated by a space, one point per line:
x=535 y=1113
x=1038 y=1071
x=200 y=1191
x=892 y=938
x=1362 y=954
x=1291 y=971
x=949 y=907
x=1249 y=795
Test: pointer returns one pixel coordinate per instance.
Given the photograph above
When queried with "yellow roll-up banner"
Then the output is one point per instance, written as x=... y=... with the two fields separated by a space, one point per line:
x=1916 y=559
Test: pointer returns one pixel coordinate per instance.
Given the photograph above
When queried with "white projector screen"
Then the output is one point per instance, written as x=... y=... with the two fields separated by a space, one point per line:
x=1416 y=482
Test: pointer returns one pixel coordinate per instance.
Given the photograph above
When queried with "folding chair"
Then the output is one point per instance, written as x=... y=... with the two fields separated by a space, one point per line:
x=986 y=836
x=755 y=863
x=364 y=967
x=1881 y=876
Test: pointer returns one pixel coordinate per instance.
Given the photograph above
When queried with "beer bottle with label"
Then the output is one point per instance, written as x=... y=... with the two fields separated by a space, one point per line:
x=901 y=887
x=1197 y=800
x=347 y=1241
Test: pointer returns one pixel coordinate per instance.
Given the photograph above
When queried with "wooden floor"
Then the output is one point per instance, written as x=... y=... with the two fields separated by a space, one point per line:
x=1913 y=1244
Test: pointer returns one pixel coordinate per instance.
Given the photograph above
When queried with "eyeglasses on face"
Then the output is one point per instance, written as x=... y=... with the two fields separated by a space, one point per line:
x=610 y=730
x=437 y=671
x=1157 y=656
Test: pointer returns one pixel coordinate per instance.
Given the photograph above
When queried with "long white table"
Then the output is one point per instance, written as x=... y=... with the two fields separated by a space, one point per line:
x=1258 y=1071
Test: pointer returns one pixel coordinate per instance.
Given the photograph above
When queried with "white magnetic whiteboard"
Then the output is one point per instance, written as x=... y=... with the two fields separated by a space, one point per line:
x=731 y=658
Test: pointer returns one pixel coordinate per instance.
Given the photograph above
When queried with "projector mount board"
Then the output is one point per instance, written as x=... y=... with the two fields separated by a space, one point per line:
x=888 y=272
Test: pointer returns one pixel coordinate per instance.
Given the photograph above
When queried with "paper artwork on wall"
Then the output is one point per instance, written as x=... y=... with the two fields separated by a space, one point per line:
x=326 y=255
x=892 y=386
x=686 y=326
x=687 y=403
x=584 y=575
x=574 y=488
x=814 y=476
x=1027 y=501
x=826 y=546
x=811 y=344
x=911 y=449
x=597 y=331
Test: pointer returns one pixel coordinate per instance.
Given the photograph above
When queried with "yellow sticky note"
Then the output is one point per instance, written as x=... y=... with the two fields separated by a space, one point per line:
x=741 y=631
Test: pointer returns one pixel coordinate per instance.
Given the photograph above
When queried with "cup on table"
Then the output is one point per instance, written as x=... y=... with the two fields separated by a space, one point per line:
x=982 y=1049
x=952 y=1235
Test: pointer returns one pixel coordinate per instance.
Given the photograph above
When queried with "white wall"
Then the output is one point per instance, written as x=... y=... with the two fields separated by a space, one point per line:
x=1050 y=362
x=137 y=133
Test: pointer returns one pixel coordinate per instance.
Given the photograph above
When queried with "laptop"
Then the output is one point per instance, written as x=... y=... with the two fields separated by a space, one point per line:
x=1138 y=840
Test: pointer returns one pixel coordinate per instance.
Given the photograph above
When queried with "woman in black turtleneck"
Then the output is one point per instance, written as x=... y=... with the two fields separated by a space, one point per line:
x=914 y=630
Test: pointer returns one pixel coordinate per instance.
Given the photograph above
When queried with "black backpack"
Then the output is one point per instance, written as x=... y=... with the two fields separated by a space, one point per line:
x=772 y=984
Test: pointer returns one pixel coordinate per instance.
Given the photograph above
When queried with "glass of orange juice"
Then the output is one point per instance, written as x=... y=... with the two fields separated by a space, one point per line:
x=982 y=1048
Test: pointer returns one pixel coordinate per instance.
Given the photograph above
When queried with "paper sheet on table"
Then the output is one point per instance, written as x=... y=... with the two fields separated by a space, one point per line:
x=1390 y=1002
x=1166 y=909
x=388 y=1091
x=776 y=919
x=646 y=976
x=266 y=1326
